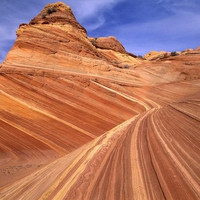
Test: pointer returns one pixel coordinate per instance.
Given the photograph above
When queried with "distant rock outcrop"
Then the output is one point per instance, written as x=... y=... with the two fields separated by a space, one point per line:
x=82 y=119
x=155 y=55
x=109 y=43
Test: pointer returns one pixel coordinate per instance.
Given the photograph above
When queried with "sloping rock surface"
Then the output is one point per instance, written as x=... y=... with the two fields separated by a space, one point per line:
x=84 y=119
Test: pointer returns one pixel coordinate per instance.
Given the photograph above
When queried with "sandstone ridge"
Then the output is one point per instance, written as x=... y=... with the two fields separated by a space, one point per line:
x=55 y=36
x=82 y=119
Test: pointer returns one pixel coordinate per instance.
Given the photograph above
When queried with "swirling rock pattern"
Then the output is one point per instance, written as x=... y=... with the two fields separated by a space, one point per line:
x=75 y=124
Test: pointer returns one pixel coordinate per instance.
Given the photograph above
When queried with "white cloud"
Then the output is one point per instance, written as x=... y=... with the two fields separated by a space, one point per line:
x=96 y=24
x=85 y=10
x=88 y=8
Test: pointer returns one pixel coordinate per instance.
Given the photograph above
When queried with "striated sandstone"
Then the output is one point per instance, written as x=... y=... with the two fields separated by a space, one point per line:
x=83 y=120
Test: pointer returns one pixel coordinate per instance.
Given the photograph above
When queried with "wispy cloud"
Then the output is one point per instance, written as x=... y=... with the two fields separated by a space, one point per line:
x=90 y=13
x=84 y=9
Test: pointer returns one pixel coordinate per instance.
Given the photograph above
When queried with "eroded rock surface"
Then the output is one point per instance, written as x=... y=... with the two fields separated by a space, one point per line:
x=110 y=43
x=84 y=119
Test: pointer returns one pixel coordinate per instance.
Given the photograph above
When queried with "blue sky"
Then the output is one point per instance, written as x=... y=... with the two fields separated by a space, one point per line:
x=140 y=25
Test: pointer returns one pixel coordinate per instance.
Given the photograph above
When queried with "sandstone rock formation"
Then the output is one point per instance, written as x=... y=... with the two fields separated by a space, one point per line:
x=83 y=119
x=155 y=55
x=110 y=43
